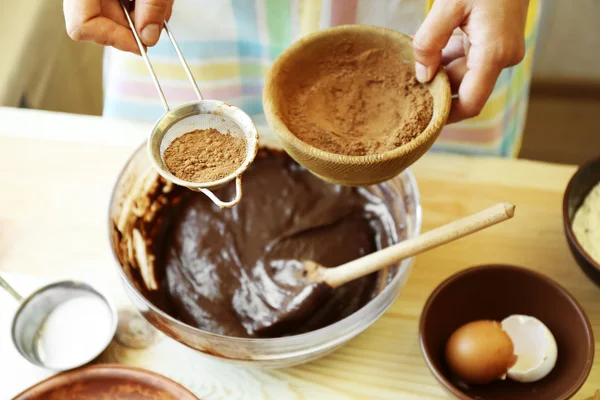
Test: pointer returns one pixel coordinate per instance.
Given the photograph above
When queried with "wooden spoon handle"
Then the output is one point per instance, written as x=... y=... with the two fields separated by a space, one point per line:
x=338 y=276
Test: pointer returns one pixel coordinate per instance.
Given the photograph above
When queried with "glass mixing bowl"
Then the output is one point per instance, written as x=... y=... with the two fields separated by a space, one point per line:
x=134 y=196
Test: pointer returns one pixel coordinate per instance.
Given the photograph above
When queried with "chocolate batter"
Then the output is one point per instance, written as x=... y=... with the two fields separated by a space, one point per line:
x=229 y=271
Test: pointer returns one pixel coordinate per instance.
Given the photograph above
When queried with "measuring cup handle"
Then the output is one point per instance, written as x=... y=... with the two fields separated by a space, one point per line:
x=10 y=290
x=229 y=204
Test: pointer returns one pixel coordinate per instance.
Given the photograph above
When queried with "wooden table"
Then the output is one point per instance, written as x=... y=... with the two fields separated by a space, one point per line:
x=56 y=175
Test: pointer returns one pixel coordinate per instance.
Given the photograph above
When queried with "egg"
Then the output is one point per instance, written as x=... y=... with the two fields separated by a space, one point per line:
x=480 y=352
x=535 y=348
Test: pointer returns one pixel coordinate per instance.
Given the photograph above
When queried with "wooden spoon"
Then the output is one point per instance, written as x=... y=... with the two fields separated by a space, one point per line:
x=318 y=280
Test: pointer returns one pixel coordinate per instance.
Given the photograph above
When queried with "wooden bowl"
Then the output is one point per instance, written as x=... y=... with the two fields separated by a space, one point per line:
x=343 y=169
x=107 y=381
x=495 y=292
x=580 y=185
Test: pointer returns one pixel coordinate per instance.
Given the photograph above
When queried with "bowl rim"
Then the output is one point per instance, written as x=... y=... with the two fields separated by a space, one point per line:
x=404 y=267
x=439 y=375
x=97 y=370
x=280 y=128
x=568 y=222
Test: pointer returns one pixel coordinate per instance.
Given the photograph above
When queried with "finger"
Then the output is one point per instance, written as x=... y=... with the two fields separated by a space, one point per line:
x=433 y=35
x=106 y=32
x=78 y=12
x=453 y=50
x=114 y=11
x=149 y=16
x=457 y=32
x=475 y=89
x=456 y=71
x=466 y=45
x=169 y=11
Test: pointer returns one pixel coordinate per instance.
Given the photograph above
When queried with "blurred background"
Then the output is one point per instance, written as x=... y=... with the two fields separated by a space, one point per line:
x=43 y=68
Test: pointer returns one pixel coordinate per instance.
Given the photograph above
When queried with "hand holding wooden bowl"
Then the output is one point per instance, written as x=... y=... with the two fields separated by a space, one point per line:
x=301 y=64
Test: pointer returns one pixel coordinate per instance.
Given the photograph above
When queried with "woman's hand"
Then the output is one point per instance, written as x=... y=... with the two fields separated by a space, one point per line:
x=103 y=22
x=475 y=40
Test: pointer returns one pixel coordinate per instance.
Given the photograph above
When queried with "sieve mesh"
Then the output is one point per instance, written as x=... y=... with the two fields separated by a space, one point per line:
x=201 y=121
x=202 y=115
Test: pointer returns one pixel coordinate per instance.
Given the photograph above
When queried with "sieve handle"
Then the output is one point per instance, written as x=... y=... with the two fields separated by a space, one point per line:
x=229 y=204
x=142 y=48
x=144 y=55
x=183 y=62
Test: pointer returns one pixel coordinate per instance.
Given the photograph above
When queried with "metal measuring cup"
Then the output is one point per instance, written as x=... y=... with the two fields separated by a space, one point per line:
x=202 y=114
x=30 y=323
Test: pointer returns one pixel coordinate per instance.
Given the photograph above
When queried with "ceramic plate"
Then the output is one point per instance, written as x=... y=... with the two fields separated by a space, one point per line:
x=107 y=381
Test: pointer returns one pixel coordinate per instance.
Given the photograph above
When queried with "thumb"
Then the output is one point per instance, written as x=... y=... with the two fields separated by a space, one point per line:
x=149 y=16
x=433 y=35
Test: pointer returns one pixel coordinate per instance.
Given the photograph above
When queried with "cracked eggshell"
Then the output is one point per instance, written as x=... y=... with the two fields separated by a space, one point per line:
x=534 y=346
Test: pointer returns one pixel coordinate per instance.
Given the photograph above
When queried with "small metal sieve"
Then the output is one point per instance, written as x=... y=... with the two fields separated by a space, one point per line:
x=201 y=114
x=63 y=325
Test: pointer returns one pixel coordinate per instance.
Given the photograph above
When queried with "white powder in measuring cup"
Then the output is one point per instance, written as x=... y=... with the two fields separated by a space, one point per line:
x=586 y=224
x=74 y=332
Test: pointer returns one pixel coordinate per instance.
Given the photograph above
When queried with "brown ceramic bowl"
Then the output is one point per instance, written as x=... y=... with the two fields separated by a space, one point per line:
x=586 y=177
x=107 y=381
x=495 y=292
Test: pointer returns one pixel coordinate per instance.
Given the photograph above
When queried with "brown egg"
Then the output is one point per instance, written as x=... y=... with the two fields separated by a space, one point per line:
x=480 y=352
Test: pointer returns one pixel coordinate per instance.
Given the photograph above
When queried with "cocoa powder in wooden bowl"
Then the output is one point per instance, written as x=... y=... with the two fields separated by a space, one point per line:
x=346 y=105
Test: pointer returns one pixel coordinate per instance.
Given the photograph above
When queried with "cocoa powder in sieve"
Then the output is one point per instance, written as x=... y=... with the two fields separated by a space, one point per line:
x=205 y=155
x=358 y=102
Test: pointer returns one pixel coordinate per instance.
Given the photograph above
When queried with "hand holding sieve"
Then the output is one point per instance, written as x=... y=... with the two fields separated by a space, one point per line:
x=201 y=114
